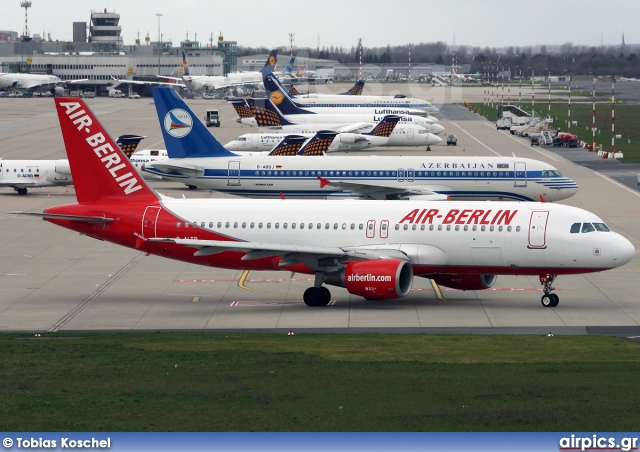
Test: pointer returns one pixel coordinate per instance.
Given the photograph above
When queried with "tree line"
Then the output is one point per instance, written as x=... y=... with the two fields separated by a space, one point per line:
x=581 y=60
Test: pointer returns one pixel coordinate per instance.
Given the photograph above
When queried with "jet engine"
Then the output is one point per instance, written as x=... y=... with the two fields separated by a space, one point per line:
x=465 y=282
x=350 y=138
x=374 y=279
x=62 y=167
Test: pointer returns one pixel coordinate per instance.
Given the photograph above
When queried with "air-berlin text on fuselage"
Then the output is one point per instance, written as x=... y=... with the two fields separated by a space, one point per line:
x=458 y=216
x=109 y=157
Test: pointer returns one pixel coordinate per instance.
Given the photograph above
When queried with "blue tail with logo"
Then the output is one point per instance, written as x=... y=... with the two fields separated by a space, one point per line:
x=280 y=96
x=266 y=115
x=289 y=67
x=185 y=64
x=184 y=134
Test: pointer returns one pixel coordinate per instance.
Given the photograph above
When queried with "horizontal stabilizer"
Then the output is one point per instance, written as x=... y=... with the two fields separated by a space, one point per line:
x=51 y=216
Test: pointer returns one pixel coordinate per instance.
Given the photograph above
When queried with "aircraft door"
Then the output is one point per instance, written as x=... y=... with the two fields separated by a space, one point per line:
x=371 y=229
x=538 y=229
x=233 y=177
x=255 y=141
x=520 y=173
x=384 y=229
x=149 y=221
x=410 y=133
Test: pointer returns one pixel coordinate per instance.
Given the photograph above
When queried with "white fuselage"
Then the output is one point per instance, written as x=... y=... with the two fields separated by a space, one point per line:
x=24 y=174
x=465 y=237
x=333 y=121
x=213 y=82
x=349 y=101
x=26 y=81
x=492 y=178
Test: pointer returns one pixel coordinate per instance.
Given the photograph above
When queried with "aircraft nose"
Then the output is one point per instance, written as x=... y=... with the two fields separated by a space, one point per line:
x=623 y=251
x=434 y=139
x=437 y=129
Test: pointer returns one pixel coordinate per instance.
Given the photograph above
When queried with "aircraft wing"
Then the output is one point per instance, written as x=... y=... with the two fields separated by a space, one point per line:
x=76 y=80
x=353 y=127
x=139 y=82
x=375 y=191
x=315 y=257
x=174 y=169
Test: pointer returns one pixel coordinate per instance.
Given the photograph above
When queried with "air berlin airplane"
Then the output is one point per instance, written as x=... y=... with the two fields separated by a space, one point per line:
x=372 y=248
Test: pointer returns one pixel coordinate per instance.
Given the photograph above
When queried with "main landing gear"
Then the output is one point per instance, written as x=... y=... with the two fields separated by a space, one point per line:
x=549 y=300
x=21 y=191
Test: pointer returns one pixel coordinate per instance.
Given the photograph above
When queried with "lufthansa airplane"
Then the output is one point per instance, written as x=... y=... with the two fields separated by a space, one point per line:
x=372 y=248
x=338 y=101
x=198 y=159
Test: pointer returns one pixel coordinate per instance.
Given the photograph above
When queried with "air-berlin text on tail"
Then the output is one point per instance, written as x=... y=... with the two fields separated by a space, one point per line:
x=457 y=216
x=109 y=157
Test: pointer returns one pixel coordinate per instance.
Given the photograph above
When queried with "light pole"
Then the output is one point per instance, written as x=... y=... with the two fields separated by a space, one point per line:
x=533 y=92
x=593 y=115
x=549 y=81
x=159 y=42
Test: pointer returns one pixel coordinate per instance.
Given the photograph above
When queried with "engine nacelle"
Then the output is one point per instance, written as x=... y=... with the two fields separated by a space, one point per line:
x=348 y=138
x=62 y=167
x=465 y=282
x=374 y=279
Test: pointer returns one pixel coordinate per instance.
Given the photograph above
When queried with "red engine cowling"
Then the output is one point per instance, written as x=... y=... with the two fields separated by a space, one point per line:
x=375 y=279
x=466 y=282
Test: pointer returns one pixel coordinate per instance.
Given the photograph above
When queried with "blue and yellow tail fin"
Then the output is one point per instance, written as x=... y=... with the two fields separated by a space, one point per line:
x=290 y=145
x=319 y=143
x=385 y=127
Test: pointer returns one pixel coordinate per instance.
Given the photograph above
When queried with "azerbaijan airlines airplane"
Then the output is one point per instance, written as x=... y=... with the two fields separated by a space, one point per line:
x=197 y=159
x=371 y=248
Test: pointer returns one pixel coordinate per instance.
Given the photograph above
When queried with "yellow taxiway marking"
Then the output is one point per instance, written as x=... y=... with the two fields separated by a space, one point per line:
x=243 y=278
x=196 y=299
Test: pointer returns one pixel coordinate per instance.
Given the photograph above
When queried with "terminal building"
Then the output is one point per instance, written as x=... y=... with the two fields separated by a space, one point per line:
x=101 y=56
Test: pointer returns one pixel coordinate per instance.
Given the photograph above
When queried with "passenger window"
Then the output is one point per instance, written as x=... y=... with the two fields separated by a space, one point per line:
x=344 y=225
x=202 y=224
x=235 y=225
x=327 y=225
x=244 y=225
x=353 y=226
x=448 y=227
x=406 y=227
x=439 y=227
x=517 y=228
x=361 y=226
x=268 y=225
x=277 y=225
x=466 y=227
x=457 y=227
x=227 y=224
x=397 y=227
x=293 y=225
x=508 y=228
x=413 y=227
x=499 y=228
x=319 y=226
x=588 y=227
x=431 y=227
x=252 y=225
x=219 y=225
x=260 y=225
x=335 y=225
x=210 y=224
x=474 y=228
x=284 y=225
x=301 y=225
x=482 y=228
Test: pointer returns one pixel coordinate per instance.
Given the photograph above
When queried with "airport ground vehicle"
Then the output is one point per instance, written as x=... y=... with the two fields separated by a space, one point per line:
x=115 y=93
x=504 y=124
x=535 y=141
x=452 y=140
x=212 y=118
x=134 y=96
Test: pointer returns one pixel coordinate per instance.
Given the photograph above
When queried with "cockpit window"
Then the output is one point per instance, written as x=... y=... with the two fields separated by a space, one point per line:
x=601 y=227
x=551 y=173
x=241 y=139
x=575 y=228
x=588 y=227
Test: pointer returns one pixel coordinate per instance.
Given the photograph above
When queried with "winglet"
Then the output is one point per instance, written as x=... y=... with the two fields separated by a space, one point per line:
x=323 y=182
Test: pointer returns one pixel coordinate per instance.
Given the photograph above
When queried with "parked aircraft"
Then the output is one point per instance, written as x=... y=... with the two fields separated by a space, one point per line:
x=24 y=174
x=275 y=89
x=343 y=142
x=372 y=248
x=191 y=148
x=30 y=81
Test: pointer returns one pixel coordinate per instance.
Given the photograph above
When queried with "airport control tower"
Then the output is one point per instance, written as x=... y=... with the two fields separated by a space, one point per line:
x=104 y=31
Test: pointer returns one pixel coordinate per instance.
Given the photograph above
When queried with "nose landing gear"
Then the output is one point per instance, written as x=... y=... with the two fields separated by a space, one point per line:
x=549 y=300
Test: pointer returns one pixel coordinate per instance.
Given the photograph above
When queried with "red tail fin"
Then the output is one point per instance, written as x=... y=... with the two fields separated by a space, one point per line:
x=98 y=166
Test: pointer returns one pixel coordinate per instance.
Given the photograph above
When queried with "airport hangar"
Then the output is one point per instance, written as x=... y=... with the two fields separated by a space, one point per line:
x=55 y=280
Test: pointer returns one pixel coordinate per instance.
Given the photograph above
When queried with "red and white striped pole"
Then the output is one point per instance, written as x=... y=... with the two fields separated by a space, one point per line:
x=533 y=92
x=520 y=89
x=613 y=111
x=409 y=76
x=549 y=80
x=509 y=83
x=484 y=86
x=502 y=85
x=360 y=45
x=593 y=118
x=569 y=105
